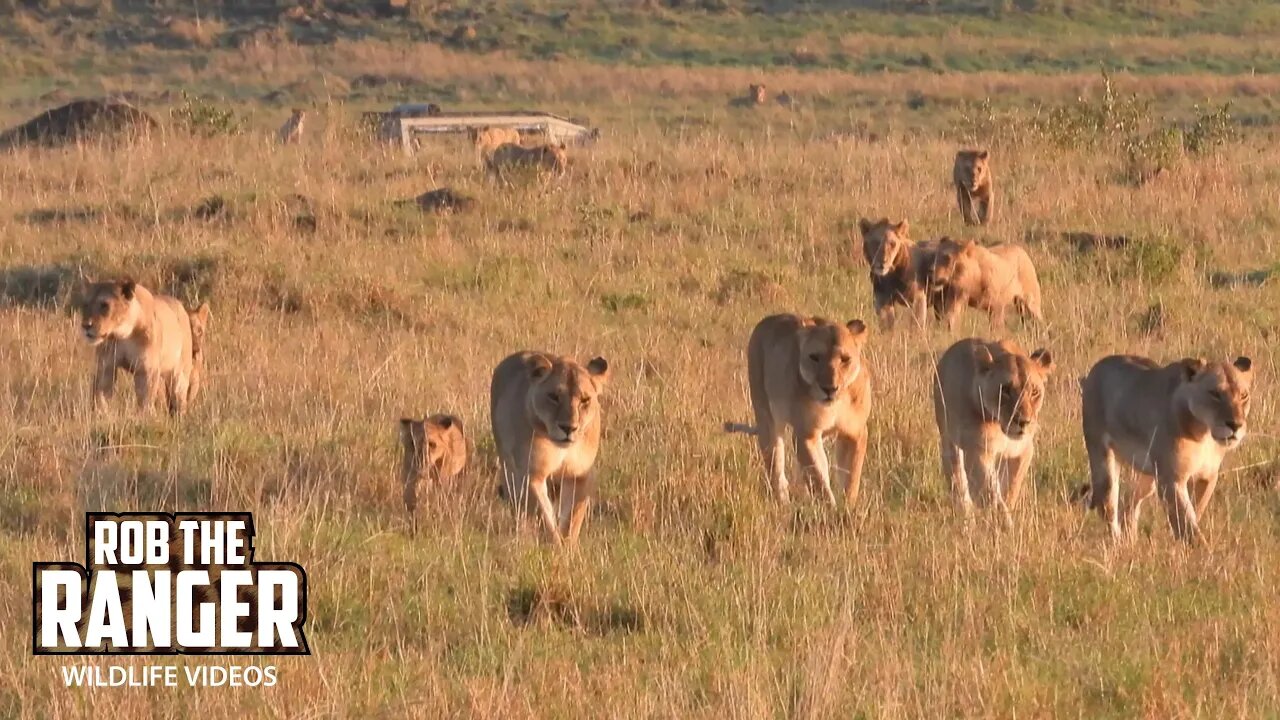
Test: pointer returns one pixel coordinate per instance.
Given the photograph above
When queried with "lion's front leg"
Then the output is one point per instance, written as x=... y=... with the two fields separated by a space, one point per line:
x=575 y=499
x=144 y=384
x=1204 y=491
x=103 y=386
x=965 y=201
x=851 y=452
x=953 y=469
x=1178 y=505
x=538 y=485
x=813 y=458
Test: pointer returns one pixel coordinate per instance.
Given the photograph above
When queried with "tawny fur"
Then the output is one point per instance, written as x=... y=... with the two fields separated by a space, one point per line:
x=987 y=398
x=488 y=139
x=543 y=158
x=987 y=279
x=148 y=336
x=291 y=131
x=975 y=188
x=547 y=420
x=1172 y=425
x=435 y=450
x=808 y=374
x=901 y=270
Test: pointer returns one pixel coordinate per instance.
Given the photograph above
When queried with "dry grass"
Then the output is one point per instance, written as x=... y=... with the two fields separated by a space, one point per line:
x=692 y=596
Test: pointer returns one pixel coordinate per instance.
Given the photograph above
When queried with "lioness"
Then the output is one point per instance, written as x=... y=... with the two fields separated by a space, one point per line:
x=987 y=397
x=546 y=419
x=149 y=336
x=291 y=130
x=808 y=373
x=544 y=158
x=988 y=279
x=972 y=176
x=199 y=328
x=434 y=448
x=900 y=269
x=488 y=139
x=1172 y=425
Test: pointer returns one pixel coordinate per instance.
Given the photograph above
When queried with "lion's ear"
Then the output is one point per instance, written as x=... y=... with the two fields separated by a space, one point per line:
x=443 y=422
x=127 y=288
x=865 y=225
x=983 y=154
x=1045 y=359
x=982 y=357
x=539 y=366
x=1192 y=367
x=1243 y=364
x=902 y=227
x=599 y=369
x=858 y=328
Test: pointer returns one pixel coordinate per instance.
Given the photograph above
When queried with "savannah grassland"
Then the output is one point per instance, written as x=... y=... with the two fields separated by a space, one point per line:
x=692 y=595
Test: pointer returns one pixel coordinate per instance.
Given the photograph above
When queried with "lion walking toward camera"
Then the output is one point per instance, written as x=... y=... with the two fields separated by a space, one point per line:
x=1173 y=425
x=807 y=373
x=975 y=188
x=151 y=337
x=435 y=450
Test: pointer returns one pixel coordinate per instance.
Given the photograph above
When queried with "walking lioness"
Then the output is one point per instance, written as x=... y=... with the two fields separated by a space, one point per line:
x=546 y=419
x=808 y=373
x=975 y=190
x=986 y=400
x=1172 y=425
x=901 y=270
x=989 y=279
x=146 y=335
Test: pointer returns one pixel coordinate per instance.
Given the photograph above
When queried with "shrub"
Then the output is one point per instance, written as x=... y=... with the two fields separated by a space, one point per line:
x=199 y=117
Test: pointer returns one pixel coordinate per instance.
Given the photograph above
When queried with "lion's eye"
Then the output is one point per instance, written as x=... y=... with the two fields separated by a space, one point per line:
x=1244 y=397
x=815 y=357
x=1218 y=395
x=585 y=399
x=102 y=307
x=553 y=398
x=845 y=359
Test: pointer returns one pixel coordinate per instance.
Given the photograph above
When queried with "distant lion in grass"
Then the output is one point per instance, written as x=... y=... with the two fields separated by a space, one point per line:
x=151 y=337
x=989 y=279
x=975 y=189
x=756 y=96
x=291 y=131
x=544 y=158
x=488 y=139
x=1173 y=425
x=807 y=373
x=435 y=449
x=900 y=269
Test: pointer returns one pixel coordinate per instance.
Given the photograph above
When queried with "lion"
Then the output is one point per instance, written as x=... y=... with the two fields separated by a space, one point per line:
x=199 y=328
x=807 y=373
x=756 y=96
x=487 y=139
x=544 y=158
x=149 y=336
x=291 y=131
x=434 y=448
x=988 y=279
x=545 y=411
x=900 y=269
x=972 y=176
x=1173 y=425
x=987 y=397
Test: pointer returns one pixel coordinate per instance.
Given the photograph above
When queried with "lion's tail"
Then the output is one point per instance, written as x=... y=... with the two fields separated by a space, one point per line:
x=731 y=427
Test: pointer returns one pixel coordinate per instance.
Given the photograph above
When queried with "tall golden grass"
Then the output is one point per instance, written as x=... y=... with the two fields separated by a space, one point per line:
x=692 y=594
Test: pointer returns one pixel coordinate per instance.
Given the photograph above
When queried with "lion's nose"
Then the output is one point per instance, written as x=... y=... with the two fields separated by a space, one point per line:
x=1234 y=425
x=830 y=390
x=568 y=429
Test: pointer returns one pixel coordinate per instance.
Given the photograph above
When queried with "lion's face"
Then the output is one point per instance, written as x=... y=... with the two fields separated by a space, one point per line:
x=107 y=310
x=1219 y=397
x=884 y=244
x=424 y=441
x=564 y=396
x=974 y=168
x=831 y=357
x=1010 y=388
x=948 y=262
x=556 y=156
x=758 y=94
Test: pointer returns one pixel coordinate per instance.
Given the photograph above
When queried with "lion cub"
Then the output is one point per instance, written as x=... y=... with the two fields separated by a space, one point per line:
x=1173 y=425
x=434 y=449
x=546 y=417
x=807 y=373
x=988 y=279
x=901 y=270
x=986 y=400
x=972 y=176
x=149 y=336
x=291 y=131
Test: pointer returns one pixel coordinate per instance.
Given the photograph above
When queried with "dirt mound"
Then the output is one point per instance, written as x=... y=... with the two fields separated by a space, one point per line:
x=79 y=120
x=443 y=200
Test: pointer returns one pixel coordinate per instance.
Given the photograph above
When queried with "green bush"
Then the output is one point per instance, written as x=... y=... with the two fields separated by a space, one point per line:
x=199 y=117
